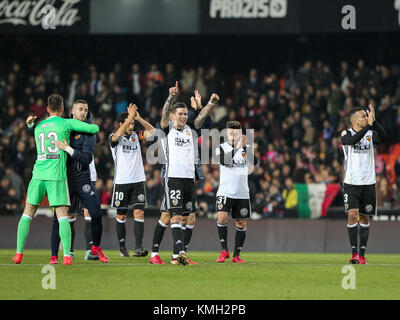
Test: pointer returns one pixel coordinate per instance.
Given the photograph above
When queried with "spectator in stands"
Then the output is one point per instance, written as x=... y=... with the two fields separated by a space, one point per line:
x=289 y=194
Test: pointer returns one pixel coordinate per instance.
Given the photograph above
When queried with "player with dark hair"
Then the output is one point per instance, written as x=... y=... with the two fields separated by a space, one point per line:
x=188 y=221
x=359 y=190
x=233 y=195
x=81 y=187
x=50 y=174
x=179 y=148
x=129 y=177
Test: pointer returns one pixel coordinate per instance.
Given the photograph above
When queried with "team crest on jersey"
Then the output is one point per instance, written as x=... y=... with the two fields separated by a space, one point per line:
x=243 y=212
x=175 y=202
x=368 y=208
x=346 y=206
x=117 y=203
x=133 y=139
x=243 y=154
x=141 y=197
x=86 y=188
x=220 y=206
x=189 y=205
x=368 y=139
x=188 y=133
x=77 y=136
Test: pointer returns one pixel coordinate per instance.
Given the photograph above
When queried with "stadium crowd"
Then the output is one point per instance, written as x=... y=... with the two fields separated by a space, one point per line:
x=297 y=116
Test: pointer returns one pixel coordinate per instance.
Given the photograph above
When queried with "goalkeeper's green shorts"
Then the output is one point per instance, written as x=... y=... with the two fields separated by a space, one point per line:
x=57 y=192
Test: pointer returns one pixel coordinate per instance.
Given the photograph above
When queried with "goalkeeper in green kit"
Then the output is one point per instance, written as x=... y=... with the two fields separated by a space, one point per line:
x=50 y=173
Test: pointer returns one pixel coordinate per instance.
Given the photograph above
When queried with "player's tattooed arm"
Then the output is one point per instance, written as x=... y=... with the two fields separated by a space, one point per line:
x=173 y=94
x=132 y=108
x=205 y=112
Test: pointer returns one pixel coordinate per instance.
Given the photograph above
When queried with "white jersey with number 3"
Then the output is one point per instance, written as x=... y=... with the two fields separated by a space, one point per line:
x=359 y=160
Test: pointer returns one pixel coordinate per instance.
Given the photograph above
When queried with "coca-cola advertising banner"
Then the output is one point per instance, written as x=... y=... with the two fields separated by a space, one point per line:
x=44 y=16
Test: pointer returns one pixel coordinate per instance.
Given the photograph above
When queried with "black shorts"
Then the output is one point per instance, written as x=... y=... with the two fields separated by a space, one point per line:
x=76 y=205
x=179 y=197
x=130 y=194
x=239 y=208
x=360 y=197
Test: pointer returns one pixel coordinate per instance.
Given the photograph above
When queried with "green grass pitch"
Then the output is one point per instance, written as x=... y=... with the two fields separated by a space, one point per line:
x=264 y=276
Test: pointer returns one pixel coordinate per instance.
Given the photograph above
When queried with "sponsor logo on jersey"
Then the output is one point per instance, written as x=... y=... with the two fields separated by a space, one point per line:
x=243 y=212
x=368 y=208
x=128 y=148
x=189 y=205
x=141 y=197
x=181 y=141
x=86 y=188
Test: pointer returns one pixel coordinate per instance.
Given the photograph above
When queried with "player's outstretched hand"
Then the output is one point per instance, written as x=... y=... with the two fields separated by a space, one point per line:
x=30 y=120
x=242 y=142
x=370 y=116
x=193 y=103
x=173 y=91
x=132 y=109
x=197 y=98
x=61 y=144
x=214 y=98
x=372 y=110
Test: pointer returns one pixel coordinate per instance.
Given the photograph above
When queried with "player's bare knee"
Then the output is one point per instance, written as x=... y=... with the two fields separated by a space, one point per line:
x=241 y=224
x=86 y=213
x=71 y=215
x=222 y=217
x=165 y=218
x=184 y=220
x=30 y=210
x=138 y=214
x=364 y=219
x=176 y=219
x=352 y=216
x=121 y=217
x=191 y=219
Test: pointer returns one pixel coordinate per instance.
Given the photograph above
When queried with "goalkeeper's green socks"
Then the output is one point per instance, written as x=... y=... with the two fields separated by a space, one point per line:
x=65 y=235
x=23 y=231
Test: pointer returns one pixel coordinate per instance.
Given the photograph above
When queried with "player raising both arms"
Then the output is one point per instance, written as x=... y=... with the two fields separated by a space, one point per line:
x=50 y=174
x=233 y=193
x=188 y=221
x=129 y=177
x=179 y=149
x=359 y=190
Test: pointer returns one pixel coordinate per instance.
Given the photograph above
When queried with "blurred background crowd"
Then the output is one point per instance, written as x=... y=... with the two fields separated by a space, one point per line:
x=297 y=112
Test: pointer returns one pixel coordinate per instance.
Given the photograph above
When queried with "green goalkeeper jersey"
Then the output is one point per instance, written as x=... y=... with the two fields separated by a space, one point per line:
x=51 y=162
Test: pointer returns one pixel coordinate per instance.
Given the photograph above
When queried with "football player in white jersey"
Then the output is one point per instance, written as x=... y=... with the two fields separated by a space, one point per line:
x=179 y=148
x=233 y=195
x=129 y=177
x=188 y=221
x=359 y=190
